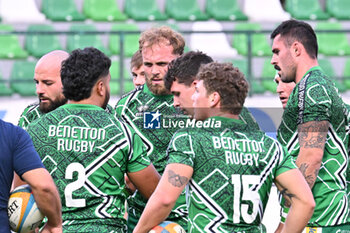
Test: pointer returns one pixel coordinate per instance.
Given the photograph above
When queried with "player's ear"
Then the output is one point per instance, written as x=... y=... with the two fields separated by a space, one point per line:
x=296 y=48
x=100 y=87
x=214 y=99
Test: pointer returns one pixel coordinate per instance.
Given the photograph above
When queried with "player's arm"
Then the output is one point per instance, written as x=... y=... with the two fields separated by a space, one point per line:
x=145 y=180
x=312 y=138
x=46 y=197
x=173 y=181
x=130 y=187
x=295 y=189
x=17 y=181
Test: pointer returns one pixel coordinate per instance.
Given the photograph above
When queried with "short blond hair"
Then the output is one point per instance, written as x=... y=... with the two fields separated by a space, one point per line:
x=161 y=34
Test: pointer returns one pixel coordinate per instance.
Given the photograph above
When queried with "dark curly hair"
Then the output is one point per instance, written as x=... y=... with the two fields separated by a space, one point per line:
x=294 y=30
x=81 y=70
x=185 y=68
x=226 y=80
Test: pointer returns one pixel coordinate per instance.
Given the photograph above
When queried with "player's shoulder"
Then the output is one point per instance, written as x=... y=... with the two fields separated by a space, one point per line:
x=268 y=138
x=10 y=130
x=319 y=77
x=195 y=129
x=31 y=108
x=271 y=144
x=130 y=94
x=347 y=106
x=109 y=109
x=29 y=114
x=4 y=126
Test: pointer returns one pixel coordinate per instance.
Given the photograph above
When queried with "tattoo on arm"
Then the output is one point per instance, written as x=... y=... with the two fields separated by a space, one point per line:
x=313 y=134
x=288 y=196
x=176 y=180
x=310 y=179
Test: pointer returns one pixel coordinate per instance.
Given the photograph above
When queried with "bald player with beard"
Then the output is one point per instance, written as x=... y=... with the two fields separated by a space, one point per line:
x=48 y=83
x=47 y=78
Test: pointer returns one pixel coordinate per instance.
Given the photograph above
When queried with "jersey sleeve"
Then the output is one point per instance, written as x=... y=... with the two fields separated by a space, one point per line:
x=119 y=107
x=25 y=157
x=180 y=149
x=286 y=161
x=138 y=160
x=315 y=105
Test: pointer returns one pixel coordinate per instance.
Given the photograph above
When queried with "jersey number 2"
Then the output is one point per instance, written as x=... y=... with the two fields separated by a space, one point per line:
x=241 y=210
x=70 y=188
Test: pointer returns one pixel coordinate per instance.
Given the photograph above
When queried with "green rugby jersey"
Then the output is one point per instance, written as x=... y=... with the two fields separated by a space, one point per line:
x=233 y=170
x=315 y=98
x=87 y=151
x=131 y=109
x=32 y=112
x=348 y=169
x=248 y=118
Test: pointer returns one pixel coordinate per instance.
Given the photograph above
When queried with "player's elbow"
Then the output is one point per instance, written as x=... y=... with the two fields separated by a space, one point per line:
x=44 y=190
x=309 y=205
x=166 y=200
x=305 y=204
x=307 y=199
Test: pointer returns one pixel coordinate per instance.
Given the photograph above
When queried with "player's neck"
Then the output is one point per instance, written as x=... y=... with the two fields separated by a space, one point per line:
x=304 y=67
x=225 y=114
x=84 y=101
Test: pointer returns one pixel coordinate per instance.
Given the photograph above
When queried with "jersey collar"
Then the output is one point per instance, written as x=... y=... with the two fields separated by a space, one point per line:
x=81 y=106
x=227 y=120
x=312 y=69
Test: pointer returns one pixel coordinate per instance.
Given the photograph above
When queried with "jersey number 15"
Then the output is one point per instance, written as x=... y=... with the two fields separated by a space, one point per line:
x=245 y=182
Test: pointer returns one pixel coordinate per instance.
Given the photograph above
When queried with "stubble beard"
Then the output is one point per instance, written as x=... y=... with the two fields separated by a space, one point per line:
x=157 y=89
x=52 y=105
x=105 y=103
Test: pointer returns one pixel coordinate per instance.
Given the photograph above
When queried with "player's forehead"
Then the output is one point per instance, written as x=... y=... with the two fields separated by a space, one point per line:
x=137 y=70
x=278 y=42
x=47 y=76
x=177 y=87
x=158 y=53
x=51 y=72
